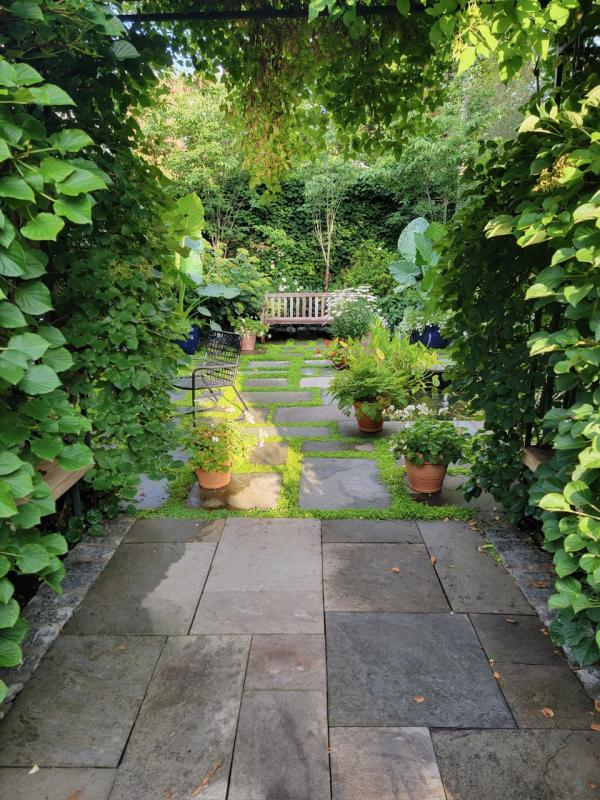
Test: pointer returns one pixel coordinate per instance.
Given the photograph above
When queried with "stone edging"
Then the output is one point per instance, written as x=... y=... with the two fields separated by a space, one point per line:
x=48 y=612
x=532 y=570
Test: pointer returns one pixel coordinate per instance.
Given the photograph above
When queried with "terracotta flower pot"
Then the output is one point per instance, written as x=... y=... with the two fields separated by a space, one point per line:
x=425 y=478
x=213 y=480
x=365 y=423
x=248 y=342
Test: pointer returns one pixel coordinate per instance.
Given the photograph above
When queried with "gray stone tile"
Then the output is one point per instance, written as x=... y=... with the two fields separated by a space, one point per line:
x=516 y=640
x=518 y=765
x=175 y=530
x=78 y=708
x=266 y=382
x=305 y=431
x=281 y=748
x=309 y=414
x=56 y=784
x=286 y=662
x=334 y=447
x=322 y=382
x=146 y=588
x=245 y=491
x=260 y=612
x=151 y=493
x=381 y=577
x=309 y=371
x=259 y=555
x=334 y=483
x=473 y=581
x=367 y=530
x=318 y=362
x=182 y=742
x=267 y=365
x=377 y=664
x=531 y=691
x=271 y=453
x=384 y=764
x=262 y=398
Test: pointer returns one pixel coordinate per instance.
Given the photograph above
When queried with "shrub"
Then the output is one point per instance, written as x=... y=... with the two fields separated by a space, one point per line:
x=429 y=441
x=369 y=265
x=353 y=312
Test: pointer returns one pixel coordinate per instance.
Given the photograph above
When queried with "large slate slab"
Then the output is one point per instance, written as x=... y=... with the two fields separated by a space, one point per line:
x=532 y=692
x=334 y=483
x=473 y=581
x=292 y=662
x=146 y=588
x=384 y=764
x=337 y=446
x=322 y=382
x=245 y=491
x=380 y=577
x=516 y=639
x=259 y=555
x=263 y=398
x=266 y=382
x=266 y=578
x=368 y=530
x=79 y=707
x=305 y=431
x=56 y=784
x=281 y=747
x=518 y=765
x=309 y=414
x=318 y=362
x=269 y=612
x=271 y=454
x=183 y=738
x=175 y=530
x=377 y=664
x=267 y=365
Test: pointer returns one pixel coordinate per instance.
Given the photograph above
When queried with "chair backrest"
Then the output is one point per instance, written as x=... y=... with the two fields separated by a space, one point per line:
x=223 y=352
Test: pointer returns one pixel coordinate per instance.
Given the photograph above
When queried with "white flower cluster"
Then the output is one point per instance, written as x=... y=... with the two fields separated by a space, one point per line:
x=414 y=411
x=340 y=298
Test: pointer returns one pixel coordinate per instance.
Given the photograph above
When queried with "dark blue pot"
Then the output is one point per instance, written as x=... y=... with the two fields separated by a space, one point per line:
x=430 y=336
x=192 y=343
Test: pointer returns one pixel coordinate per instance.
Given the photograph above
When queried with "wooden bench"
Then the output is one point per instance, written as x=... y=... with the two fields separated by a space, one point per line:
x=533 y=456
x=62 y=481
x=296 y=308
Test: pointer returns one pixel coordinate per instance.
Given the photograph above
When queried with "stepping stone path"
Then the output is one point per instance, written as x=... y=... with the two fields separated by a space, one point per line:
x=248 y=658
x=198 y=660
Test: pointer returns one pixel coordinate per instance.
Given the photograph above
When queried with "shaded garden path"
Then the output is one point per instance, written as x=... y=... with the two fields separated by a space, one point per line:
x=253 y=659
x=303 y=659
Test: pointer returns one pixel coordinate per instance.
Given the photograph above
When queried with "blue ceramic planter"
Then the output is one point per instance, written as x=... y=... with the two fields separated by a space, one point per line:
x=430 y=336
x=192 y=343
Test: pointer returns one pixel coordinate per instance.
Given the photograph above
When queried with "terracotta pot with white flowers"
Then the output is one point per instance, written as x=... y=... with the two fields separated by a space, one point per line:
x=249 y=329
x=428 y=445
x=212 y=448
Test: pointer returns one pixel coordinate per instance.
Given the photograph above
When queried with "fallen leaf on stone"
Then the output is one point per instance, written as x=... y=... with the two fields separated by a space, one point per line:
x=592 y=785
x=547 y=712
x=122 y=647
x=512 y=621
x=446 y=519
x=544 y=631
x=76 y=795
x=168 y=794
x=597 y=706
x=395 y=569
x=539 y=584
x=207 y=778
x=419 y=698
x=497 y=676
x=433 y=560
x=595 y=727
x=33 y=770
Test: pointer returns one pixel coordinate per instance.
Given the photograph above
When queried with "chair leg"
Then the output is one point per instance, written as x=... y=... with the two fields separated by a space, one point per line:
x=194 y=399
x=240 y=398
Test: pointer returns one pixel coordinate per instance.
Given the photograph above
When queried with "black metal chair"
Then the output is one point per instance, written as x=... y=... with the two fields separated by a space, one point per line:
x=217 y=370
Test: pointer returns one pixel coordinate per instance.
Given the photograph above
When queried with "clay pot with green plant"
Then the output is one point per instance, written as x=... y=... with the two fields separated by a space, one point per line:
x=249 y=329
x=429 y=445
x=212 y=447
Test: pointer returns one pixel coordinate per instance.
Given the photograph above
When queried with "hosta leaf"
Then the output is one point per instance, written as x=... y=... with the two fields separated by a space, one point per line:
x=5 y=566
x=6 y=590
x=39 y=379
x=9 y=613
x=10 y=653
x=43 y=227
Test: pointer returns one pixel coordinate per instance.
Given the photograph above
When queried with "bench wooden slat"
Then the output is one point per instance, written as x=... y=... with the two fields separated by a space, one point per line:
x=296 y=308
x=58 y=479
x=534 y=456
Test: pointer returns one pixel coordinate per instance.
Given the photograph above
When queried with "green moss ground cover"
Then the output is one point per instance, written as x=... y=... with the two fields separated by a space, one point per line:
x=403 y=506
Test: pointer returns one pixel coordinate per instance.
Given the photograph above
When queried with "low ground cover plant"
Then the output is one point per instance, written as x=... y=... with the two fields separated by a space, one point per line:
x=429 y=441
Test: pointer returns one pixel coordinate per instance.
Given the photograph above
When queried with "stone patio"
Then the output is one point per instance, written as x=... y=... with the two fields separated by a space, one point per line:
x=195 y=667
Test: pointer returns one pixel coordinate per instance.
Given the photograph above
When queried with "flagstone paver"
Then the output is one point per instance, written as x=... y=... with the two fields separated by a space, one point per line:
x=322 y=382
x=150 y=588
x=175 y=530
x=246 y=491
x=335 y=483
x=79 y=707
x=471 y=579
x=309 y=414
x=335 y=446
x=271 y=453
x=292 y=662
x=516 y=639
x=384 y=764
x=266 y=382
x=410 y=670
x=186 y=727
x=380 y=577
x=281 y=747
x=263 y=398
x=518 y=765
x=56 y=783
x=267 y=365
x=367 y=530
x=292 y=431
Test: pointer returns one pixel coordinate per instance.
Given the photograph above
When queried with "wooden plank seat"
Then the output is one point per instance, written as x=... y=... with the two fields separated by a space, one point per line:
x=62 y=481
x=296 y=308
x=535 y=456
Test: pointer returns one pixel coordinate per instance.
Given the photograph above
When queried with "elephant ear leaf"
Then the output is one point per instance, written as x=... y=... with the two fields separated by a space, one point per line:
x=405 y=273
x=407 y=246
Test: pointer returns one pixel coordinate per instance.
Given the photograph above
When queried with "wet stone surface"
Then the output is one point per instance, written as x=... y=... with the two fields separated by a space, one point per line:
x=271 y=453
x=336 y=483
x=333 y=447
x=245 y=491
